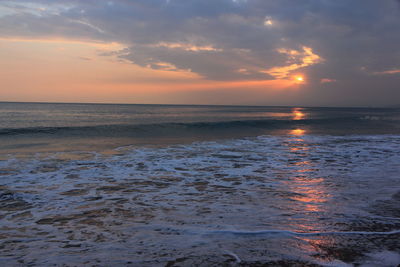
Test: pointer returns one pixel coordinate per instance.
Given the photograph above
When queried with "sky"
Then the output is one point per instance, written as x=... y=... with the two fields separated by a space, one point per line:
x=235 y=52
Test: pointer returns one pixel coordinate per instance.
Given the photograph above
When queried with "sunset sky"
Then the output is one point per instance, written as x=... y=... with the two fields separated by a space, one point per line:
x=247 y=52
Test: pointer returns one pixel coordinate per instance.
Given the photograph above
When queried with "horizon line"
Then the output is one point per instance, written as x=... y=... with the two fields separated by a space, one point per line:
x=215 y=105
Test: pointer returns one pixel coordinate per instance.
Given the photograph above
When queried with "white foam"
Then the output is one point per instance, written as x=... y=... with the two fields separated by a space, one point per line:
x=311 y=186
x=236 y=257
x=382 y=259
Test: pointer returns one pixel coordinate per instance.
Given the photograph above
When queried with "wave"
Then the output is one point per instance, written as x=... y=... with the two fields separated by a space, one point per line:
x=138 y=129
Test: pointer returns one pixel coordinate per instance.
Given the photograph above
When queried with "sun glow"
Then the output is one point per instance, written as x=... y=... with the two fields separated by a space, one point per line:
x=297 y=114
x=299 y=78
x=268 y=22
x=297 y=132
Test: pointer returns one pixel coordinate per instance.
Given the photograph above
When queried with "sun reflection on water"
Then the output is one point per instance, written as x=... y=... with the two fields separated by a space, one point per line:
x=309 y=191
x=298 y=114
x=297 y=132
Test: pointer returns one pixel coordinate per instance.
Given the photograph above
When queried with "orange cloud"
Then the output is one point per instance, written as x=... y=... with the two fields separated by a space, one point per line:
x=388 y=72
x=305 y=58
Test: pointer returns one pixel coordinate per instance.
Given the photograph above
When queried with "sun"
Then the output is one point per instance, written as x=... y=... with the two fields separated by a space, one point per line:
x=298 y=79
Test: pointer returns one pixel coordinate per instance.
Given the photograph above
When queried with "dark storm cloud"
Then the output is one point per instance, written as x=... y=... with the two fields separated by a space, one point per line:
x=226 y=39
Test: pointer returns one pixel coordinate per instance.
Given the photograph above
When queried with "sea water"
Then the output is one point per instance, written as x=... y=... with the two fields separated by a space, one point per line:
x=154 y=185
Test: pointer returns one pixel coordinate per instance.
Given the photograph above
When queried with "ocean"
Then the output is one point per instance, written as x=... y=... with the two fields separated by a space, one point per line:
x=170 y=185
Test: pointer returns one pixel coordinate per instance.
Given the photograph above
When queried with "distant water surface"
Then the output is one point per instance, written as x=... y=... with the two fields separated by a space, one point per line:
x=54 y=127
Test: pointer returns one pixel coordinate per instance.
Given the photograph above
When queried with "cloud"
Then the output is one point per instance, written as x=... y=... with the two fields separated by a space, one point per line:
x=327 y=80
x=186 y=47
x=296 y=60
x=388 y=72
x=213 y=39
x=85 y=58
x=222 y=40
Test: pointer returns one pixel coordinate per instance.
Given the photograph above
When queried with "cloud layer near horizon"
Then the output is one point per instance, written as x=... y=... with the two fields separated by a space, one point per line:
x=350 y=45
